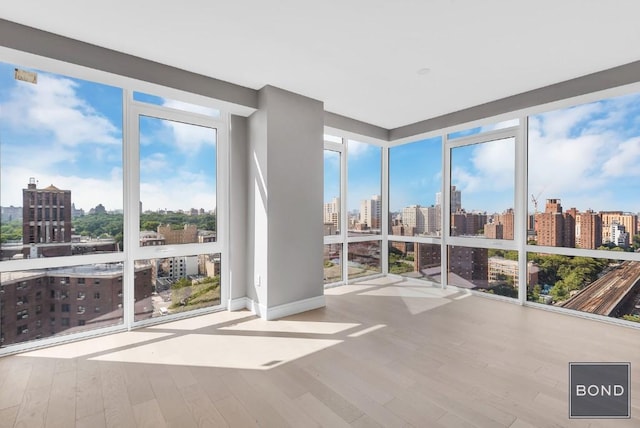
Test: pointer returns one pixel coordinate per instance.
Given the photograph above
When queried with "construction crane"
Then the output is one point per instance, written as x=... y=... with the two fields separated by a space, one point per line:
x=534 y=199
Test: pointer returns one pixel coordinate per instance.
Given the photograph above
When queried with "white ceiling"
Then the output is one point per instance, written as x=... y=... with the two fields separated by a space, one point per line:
x=361 y=57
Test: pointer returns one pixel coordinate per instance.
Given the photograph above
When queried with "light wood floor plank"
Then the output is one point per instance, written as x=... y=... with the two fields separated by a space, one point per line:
x=97 y=420
x=8 y=416
x=61 y=411
x=201 y=407
x=118 y=410
x=319 y=412
x=148 y=415
x=33 y=409
x=234 y=414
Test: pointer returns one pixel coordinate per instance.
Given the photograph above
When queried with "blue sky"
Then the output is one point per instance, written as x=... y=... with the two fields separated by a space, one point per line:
x=415 y=173
x=68 y=132
x=587 y=155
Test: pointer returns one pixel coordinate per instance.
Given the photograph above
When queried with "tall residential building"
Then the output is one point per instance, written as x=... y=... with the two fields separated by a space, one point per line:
x=431 y=217
x=463 y=223
x=588 y=230
x=456 y=199
x=371 y=212
x=47 y=302
x=412 y=217
x=501 y=227
x=628 y=220
x=46 y=214
x=618 y=234
x=494 y=231
x=470 y=264
x=507 y=220
x=553 y=228
x=331 y=214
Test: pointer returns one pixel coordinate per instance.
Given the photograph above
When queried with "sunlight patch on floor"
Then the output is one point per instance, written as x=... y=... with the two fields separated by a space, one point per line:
x=96 y=345
x=346 y=289
x=285 y=326
x=227 y=351
x=203 y=321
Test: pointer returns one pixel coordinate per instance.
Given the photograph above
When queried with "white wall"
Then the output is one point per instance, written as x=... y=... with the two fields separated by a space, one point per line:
x=285 y=199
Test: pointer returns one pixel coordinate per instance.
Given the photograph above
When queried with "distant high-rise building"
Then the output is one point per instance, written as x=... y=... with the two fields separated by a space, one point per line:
x=588 y=230
x=11 y=213
x=618 y=234
x=371 y=212
x=501 y=227
x=413 y=217
x=507 y=219
x=463 y=223
x=331 y=215
x=494 y=230
x=76 y=212
x=628 y=220
x=551 y=229
x=456 y=199
x=46 y=221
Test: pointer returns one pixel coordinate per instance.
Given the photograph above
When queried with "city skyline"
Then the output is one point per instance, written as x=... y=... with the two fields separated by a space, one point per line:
x=68 y=132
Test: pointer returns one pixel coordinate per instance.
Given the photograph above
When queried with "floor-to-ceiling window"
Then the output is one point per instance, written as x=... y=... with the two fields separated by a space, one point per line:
x=584 y=202
x=112 y=205
x=334 y=154
x=415 y=209
x=352 y=210
x=481 y=211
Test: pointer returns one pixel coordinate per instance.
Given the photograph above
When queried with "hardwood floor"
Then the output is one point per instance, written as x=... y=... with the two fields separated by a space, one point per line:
x=380 y=354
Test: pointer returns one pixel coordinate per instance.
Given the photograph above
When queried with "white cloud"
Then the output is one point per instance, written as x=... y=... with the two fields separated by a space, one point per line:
x=53 y=108
x=153 y=163
x=624 y=161
x=169 y=192
x=357 y=149
x=190 y=138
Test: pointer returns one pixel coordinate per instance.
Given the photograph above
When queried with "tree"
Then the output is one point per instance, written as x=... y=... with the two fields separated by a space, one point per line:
x=559 y=292
x=150 y=225
x=11 y=231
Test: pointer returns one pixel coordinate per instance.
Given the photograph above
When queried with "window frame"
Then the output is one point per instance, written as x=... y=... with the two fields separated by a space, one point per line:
x=131 y=172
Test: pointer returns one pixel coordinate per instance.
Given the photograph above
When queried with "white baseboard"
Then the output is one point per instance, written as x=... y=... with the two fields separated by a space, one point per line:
x=238 y=304
x=295 y=307
x=278 y=311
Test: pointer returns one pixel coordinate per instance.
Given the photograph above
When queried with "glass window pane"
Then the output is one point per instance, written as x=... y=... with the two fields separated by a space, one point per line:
x=331 y=213
x=586 y=284
x=176 y=156
x=592 y=198
x=56 y=301
x=480 y=129
x=60 y=166
x=415 y=260
x=364 y=259
x=175 y=104
x=488 y=270
x=176 y=284
x=364 y=202
x=332 y=263
x=484 y=174
x=415 y=178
